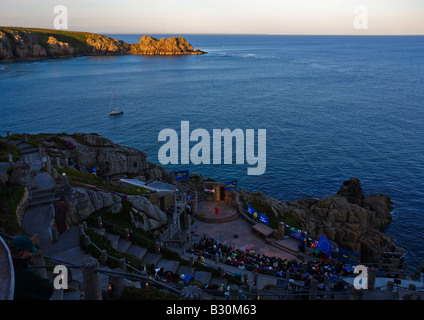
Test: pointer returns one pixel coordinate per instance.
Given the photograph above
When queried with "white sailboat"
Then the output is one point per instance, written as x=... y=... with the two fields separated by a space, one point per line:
x=113 y=111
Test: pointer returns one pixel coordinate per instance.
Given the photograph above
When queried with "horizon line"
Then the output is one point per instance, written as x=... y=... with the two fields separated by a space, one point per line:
x=222 y=33
x=265 y=34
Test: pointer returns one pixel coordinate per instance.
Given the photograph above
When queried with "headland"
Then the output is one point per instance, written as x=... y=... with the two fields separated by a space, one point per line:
x=21 y=44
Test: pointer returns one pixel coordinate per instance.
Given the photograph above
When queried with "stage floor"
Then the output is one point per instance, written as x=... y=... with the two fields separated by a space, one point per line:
x=206 y=212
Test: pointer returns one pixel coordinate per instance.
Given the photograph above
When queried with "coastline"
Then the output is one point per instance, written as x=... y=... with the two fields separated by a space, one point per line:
x=27 y=44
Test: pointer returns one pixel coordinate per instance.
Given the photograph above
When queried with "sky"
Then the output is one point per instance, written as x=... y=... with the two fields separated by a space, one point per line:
x=352 y=17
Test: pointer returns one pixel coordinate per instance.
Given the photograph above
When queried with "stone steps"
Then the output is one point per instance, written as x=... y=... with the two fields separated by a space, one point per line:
x=76 y=256
x=23 y=147
x=137 y=251
x=168 y=265
x=26 y=150
x=150 y=258
x=114 y=239
x=123 y=245
x=72 y=255
x=289 y=247
x=182 y=269
x=42 y=197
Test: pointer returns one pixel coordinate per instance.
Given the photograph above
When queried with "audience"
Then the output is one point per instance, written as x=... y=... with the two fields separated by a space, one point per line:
x=322 y=270
x=274 y=266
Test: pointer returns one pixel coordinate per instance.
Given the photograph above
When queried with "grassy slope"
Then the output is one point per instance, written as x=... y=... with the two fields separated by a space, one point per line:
x=74 y=38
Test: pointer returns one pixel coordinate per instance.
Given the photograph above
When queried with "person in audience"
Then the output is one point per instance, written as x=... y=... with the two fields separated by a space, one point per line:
x=29 y=285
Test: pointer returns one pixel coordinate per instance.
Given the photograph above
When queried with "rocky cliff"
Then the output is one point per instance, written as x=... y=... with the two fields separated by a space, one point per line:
x=172 y=46
x=113 y=161
x=18 y=44
x=349 y=219
x=81 y=202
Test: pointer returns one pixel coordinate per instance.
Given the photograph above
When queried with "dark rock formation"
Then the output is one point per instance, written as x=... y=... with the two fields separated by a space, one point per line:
x=350 y=220
x=352 y=191
x=22 y=175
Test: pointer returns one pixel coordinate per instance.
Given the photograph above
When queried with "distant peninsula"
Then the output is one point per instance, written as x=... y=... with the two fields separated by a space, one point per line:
x=20 y=44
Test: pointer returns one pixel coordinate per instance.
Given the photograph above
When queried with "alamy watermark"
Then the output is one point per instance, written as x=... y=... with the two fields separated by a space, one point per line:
x=176 y=150
x=60 y=21
x=361 y=19
x=61 y=280
x=360 y=281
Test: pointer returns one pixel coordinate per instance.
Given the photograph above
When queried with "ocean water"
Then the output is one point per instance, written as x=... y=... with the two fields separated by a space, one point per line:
x=334 y=107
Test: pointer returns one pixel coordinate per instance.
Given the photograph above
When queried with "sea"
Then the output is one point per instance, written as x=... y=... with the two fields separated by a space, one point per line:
x=333 y=107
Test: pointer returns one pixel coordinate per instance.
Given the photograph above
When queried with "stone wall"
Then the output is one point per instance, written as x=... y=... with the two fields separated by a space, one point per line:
x=228 y=196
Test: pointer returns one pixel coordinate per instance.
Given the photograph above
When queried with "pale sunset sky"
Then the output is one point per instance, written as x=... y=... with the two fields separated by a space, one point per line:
x=396 y=17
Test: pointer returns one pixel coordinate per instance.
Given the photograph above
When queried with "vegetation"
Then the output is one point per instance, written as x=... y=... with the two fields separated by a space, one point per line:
x=75 y=39
x=6 y=149
x=292 y=220
x=263 y=207
x=259 y=204
x=104 y=243
x=59 y=140
x=9 y=200
x=76 y=177
x=117 y=223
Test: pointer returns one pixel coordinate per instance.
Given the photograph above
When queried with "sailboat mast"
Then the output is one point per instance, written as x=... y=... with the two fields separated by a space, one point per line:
x=111 y=101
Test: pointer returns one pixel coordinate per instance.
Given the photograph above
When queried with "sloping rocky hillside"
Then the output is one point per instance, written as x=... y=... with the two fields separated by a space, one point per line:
x=19 y=44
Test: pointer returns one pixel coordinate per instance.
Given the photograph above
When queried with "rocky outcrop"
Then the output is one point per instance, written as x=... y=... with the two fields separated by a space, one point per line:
x=59 y=49
x=22 y=175
x=141 y=204
x=145 y=215
x=350 y=220
x=172 y=46
x=104 y=45
x=352 y=191
x=82 y=202
x=18 y=44
x=87 y=151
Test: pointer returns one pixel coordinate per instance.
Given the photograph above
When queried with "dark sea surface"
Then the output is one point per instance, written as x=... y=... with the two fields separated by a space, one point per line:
x=334 y=107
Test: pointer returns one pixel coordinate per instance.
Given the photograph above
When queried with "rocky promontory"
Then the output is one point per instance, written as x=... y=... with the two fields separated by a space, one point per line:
x=172 y=46
x=349 y=219
x=20 y=44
